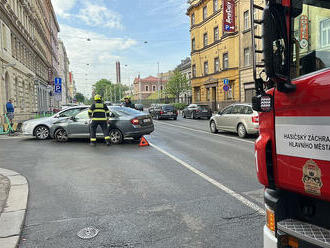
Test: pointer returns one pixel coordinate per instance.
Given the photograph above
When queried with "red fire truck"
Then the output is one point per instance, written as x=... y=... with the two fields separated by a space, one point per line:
x=292 y=79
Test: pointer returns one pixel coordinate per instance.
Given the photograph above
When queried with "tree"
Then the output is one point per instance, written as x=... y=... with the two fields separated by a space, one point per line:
x=177 y=85
x=80 y=97
x=100 y=87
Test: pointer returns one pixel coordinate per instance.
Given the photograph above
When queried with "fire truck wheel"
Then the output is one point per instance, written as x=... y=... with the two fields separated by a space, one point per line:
x=241 y=130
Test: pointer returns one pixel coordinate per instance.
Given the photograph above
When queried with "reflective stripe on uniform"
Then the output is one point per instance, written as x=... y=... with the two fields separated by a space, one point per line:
x=99 y=119
x=93 y=139
x=90 y=111
x=107 y=138
x=99 y=110
x=107 y=111
x=99 y=105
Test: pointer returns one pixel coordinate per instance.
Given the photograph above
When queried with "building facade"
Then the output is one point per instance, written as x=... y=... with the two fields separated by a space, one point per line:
x=17 y=58
x=185 y=69
x=63 y=71
x=246 y=56
x=144 y=87
x=214 y=55
x=28 y=56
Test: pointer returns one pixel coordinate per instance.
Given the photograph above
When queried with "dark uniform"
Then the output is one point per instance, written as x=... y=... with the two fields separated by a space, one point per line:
x=128 y=104
x=99 y=113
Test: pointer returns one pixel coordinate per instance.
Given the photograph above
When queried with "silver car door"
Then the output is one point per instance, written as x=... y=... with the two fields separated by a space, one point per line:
x=79 y=126
x=234 y=118
x=223 y=118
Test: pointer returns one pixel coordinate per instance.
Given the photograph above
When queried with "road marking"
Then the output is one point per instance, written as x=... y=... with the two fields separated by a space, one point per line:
x=237 y=196
x=202 y=131
x=14 y=137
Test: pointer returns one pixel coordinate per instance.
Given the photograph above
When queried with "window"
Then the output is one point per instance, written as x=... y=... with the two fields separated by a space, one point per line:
x=238 y=109
x=227 y=110
x=193 y=44
x=70 y=112
x=154 y=88
x=216 y=33
x=194 y=71
x=204 y=12
x=246 y=57
x=161 y=87
x=246 y=20
x=205 y=39
x=82 y=116
x=147 y=87
x=215 y=5
x=208 y=94
x=192 y=19
x=216 y=65
x=325 y=33
x=197 y=94
x=225 y=61
x=206 y=68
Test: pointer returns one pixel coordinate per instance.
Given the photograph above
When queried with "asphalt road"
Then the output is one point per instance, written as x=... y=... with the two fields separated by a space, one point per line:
x=191 y=189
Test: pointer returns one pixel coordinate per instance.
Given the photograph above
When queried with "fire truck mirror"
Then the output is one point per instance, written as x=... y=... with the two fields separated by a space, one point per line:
x=297 y=7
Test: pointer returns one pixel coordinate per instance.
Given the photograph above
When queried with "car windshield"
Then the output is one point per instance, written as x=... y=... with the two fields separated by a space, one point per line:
x=168 y=108
x=124 y=111
x=69 y=112
x=203 y=107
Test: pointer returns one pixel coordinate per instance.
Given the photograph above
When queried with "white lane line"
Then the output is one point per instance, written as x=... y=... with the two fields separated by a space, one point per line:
x=237 y=196
x=202 y=131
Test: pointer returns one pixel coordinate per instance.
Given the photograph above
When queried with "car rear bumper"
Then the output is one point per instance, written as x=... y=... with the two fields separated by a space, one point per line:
x=167 y=116
x=253 y=129
x=139 y=132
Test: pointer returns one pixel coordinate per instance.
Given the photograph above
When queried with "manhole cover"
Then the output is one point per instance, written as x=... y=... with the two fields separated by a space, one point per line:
x=88 y=233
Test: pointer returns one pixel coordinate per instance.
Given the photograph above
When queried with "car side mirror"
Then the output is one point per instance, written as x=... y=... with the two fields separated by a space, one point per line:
x=112 y=115
x=219 y=113
x=73 y=118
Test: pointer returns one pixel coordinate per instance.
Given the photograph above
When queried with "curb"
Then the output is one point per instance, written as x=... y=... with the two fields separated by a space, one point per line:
x=13 y=215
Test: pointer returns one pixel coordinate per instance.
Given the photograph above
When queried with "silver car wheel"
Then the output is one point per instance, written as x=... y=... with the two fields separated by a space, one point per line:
x=241 y=131
x=42 y=133
x=213 y=127
x=116 y=136
x=61 y=135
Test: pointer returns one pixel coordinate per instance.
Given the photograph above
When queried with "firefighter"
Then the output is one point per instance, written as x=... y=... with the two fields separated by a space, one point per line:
x=128 y=102
x=99 y=113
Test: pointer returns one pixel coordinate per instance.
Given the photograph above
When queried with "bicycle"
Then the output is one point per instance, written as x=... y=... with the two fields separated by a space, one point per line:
x=10 y=130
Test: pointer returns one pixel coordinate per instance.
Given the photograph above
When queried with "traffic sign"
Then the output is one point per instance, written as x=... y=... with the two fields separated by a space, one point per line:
x=226 y=88
x=226 y=81
x=58 y=85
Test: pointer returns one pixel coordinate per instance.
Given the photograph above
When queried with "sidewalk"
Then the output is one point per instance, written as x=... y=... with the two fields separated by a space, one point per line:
x=13 y=203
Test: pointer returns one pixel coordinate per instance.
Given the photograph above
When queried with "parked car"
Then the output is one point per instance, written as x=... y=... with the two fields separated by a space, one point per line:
x=196 y=111
x=237 y=118
x=164 y=111
x=152 y=107
x=138 y=106
x=39 y=128
x=125 y=123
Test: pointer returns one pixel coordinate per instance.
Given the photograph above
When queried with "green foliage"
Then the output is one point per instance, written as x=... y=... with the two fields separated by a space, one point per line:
x=177 y=85
x=80 y=97
x=179 y=106
x=109 y=91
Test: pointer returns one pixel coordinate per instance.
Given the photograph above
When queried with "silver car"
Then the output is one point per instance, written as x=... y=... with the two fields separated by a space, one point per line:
x=125 y=123
x=237 y=118
x=40 y=127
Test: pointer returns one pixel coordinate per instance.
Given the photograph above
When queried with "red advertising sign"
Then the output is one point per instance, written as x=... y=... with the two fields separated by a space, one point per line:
x=229 y=16
x=304 y=31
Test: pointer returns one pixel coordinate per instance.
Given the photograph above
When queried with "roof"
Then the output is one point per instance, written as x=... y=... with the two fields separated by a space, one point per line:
x=150 y=79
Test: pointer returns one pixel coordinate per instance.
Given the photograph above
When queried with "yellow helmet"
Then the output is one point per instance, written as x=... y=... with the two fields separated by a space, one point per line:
x=97 y=98
x=127 y=97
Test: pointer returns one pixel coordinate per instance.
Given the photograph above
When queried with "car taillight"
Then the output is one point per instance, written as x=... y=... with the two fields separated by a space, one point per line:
x=161 y=112
x=255 y=119
x=135 y=122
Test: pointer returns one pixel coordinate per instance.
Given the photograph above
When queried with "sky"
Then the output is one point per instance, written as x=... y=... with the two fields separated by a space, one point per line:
x=138 y=33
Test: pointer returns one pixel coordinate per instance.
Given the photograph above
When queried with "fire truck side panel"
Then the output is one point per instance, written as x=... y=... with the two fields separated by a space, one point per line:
x=302 y=131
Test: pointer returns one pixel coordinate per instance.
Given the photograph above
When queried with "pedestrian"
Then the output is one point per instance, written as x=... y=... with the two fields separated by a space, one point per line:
x=10 y=111
x=99 y=114
x=128 y=102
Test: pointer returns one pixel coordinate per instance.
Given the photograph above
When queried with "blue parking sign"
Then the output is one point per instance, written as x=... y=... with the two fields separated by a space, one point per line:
x=226 y=81
x=58 y=85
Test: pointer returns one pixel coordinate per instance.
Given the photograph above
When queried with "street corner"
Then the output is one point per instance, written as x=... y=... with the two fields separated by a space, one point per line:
x=13 y=206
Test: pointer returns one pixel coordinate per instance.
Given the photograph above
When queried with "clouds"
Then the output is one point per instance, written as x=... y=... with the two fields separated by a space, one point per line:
x=92 y=13
x=100 y=53
x=97 y=15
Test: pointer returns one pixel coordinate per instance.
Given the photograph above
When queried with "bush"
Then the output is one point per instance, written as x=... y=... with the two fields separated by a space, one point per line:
x=179 y=106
